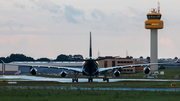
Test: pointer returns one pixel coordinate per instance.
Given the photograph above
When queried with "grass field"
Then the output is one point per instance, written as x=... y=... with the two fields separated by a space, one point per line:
x=37 y=94
x=34 y=94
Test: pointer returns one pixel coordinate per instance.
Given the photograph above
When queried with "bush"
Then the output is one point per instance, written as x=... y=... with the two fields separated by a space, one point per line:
x=162 y=67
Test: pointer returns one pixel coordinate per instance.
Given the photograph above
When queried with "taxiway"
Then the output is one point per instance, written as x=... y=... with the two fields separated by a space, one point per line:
x=37 y=78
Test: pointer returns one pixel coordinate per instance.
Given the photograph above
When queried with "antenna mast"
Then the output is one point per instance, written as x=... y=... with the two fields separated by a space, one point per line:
x=98 y=53
x=158 y=7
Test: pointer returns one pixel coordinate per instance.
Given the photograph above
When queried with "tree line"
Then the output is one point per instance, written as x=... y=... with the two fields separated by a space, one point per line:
x=22 y=57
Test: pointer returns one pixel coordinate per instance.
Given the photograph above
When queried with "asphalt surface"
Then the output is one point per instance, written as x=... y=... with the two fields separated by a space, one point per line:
x=37 y=78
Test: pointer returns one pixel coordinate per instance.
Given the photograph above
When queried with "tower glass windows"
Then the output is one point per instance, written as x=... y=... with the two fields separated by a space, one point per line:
x=154 y=16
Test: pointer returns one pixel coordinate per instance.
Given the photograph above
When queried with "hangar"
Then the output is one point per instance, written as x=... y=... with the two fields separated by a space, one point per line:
x=9 y=69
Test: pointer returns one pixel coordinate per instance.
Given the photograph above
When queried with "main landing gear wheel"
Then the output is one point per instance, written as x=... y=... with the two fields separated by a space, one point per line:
x=106 y=79
x=75 y=79
x=90 y=79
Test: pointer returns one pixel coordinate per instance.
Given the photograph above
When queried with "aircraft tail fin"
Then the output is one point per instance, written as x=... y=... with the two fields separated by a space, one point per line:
x=90 y=49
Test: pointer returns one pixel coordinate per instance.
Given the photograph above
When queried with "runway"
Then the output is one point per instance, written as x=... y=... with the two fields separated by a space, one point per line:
x=65 y=80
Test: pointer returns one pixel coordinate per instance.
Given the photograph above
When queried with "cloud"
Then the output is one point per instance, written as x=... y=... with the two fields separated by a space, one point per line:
x=167 y=44
x=69 y=13
x=14 y=39
x=119 y=21
x=19 y=5
x=72 y=14
x=98 y=15
x=114 y=20
x=25 y=44
x=47 y=5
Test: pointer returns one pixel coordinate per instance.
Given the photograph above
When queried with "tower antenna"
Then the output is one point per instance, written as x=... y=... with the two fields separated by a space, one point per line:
x=127 y=53
x=98 y=53
x=158 y=7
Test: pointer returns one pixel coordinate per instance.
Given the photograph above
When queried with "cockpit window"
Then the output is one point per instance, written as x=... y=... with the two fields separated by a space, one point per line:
x=154 y=16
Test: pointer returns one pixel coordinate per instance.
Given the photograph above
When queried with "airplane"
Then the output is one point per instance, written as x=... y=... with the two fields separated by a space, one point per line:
x=89 y=69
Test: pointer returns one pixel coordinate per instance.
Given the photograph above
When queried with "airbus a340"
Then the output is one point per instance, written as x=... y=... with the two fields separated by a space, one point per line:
x=89 y=69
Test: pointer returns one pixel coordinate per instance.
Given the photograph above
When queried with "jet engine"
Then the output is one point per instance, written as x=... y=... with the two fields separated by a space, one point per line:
x=33 y=71
x=63 y=74
x=117 y=74
x=146 y=70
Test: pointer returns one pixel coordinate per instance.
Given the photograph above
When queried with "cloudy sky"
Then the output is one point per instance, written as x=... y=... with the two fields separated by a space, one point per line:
x=47 y=28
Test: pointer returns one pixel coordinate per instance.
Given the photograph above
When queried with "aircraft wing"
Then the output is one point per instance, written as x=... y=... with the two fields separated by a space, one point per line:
x=47 y=66
x=125 y=66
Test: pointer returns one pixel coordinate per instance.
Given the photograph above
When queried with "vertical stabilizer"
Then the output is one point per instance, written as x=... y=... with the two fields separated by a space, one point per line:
x=90 y=49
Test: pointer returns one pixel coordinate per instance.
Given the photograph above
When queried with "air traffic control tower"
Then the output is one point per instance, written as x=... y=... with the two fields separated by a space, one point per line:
x=154 y=23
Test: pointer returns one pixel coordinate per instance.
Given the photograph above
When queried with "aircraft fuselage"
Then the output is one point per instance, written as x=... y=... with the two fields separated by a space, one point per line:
x=90 y=68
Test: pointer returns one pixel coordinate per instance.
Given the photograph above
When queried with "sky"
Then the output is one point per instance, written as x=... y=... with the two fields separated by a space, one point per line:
x=48 y=28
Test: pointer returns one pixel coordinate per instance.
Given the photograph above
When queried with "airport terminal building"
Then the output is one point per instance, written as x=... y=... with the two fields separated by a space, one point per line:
x=118 y=62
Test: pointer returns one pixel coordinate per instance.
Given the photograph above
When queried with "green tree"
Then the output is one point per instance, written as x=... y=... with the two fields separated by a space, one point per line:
x=162 y=67
x=176 y=58
x=43 y=59
x=62 y=57
x=148 y=58
x=20 y=57
x=131 y=57
x=16 y=57
x=78 y=57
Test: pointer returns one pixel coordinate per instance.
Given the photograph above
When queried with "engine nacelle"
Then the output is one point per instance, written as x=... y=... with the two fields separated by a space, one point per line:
x=63 y=74
x=146 y=70
x=33 y=71
x=117 y=74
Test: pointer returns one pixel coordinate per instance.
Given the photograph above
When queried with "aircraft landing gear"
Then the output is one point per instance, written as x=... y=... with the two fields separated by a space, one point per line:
x=90 y=79
x=75 y=79
x=105 y=77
